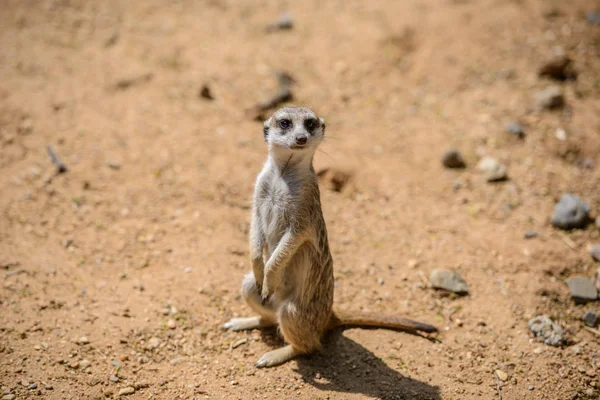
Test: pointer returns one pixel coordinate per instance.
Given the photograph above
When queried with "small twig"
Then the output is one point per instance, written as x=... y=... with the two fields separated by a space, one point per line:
x=594 y=331
x=60 y=166
x=498 y=386
x=568 y=240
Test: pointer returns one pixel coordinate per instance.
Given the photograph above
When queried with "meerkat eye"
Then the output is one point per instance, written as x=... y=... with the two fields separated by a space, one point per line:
x=310 y=124
x=285 y=124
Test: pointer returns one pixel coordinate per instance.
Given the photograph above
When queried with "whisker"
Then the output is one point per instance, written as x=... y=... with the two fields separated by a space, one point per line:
x=323 y=151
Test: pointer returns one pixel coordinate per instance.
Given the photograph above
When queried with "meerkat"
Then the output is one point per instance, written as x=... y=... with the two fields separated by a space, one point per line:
x=291 y=283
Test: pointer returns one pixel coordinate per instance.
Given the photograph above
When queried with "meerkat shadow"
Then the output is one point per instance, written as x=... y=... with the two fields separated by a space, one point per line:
x=347 y=367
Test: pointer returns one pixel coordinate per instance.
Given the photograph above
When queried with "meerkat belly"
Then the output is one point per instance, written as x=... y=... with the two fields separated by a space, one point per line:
x=295 y=275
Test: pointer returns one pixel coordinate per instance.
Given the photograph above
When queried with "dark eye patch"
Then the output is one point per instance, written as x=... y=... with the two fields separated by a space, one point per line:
x=310 y=124
x=284 y=124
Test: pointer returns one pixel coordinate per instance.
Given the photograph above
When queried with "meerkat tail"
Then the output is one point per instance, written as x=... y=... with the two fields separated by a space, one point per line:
x=350 y=318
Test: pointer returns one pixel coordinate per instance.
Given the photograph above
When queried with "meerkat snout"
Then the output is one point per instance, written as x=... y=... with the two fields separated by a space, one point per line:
x=294 y=128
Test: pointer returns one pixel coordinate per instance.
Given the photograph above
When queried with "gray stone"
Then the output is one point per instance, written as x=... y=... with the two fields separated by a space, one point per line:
x=591 y=319
x=582 y=289
x=549 y=331
x=530 y=234
x=516 y=129
x=452 y=158
x=593 y=17
x=448 y=280
x=570 y=213
x=492 y=169
x=550 y=97
x=595 y=252
x=32 y=386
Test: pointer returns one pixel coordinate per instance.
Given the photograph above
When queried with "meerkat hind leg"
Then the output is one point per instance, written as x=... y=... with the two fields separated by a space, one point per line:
x=277 y=357
x=245 y=324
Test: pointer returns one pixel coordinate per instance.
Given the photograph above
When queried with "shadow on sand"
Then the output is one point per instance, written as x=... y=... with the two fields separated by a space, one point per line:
x=345 y=366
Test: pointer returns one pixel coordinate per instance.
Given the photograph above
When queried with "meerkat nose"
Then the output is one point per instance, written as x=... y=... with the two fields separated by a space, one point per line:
x=301 y=139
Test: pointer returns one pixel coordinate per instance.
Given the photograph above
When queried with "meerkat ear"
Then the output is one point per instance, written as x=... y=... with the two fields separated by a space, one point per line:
x=266 y=129
x=322 y=121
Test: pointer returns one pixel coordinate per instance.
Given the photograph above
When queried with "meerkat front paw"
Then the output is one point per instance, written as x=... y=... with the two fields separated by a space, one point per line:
x=265 y=294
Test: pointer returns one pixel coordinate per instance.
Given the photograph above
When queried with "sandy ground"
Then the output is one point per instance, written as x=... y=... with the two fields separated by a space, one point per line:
x=117 y=275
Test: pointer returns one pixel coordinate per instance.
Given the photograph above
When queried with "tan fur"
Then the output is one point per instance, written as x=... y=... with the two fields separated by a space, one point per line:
x=291 y=284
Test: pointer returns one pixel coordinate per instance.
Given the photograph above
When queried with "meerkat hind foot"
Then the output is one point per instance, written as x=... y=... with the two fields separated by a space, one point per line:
x=277 y=357
x=246 y=324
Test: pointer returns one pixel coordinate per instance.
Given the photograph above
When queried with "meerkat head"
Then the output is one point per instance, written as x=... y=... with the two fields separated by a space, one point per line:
x=296 y=129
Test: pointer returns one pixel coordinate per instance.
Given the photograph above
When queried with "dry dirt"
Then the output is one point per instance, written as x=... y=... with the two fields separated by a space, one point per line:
x=118 y=273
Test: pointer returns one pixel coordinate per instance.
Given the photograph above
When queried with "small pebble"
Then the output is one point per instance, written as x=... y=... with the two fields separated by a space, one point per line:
x=530 y=234
x=549 y=331
x=558 y=68
x=452 y=158
x=171 y=324
x=591 y=319
x=595 y=252
x=284 y=22
x=570 y=213
x=593 y=17
x=492 y=169
x=153 y=343
x=503 y=376
x=582 y=289
x=114 y=378
x=126 y=391
x=560 y=134
x=9 y=396
x=516 y=129
x=32 y=386
x=551 y=97
x=448 y=280
x=117 y=364
x=48 y=387
x=206 y=93
x=530 y=387
x=83 y=340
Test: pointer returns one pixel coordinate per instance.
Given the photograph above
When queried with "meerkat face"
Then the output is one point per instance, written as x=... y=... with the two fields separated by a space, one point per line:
x=295 y=128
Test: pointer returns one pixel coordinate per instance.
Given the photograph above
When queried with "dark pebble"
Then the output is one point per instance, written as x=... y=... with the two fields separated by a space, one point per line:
x=530 y=234
x=453 y=159
x=558 y=68
x=516 y=129
x=591 y=319
x=206 y=93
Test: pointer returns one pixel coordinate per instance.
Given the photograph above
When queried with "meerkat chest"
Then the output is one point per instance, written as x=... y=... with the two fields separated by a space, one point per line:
x=277 y=203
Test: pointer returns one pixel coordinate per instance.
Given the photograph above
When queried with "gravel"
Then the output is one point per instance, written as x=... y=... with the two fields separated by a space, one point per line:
x=595 y=252
x=492 y=169
x=452 y=158
x=549 y=331
x=551 y=97
x=448 y=280
x=516 y=129
x=591 y=319
x=582 y=289
x=570 y=213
